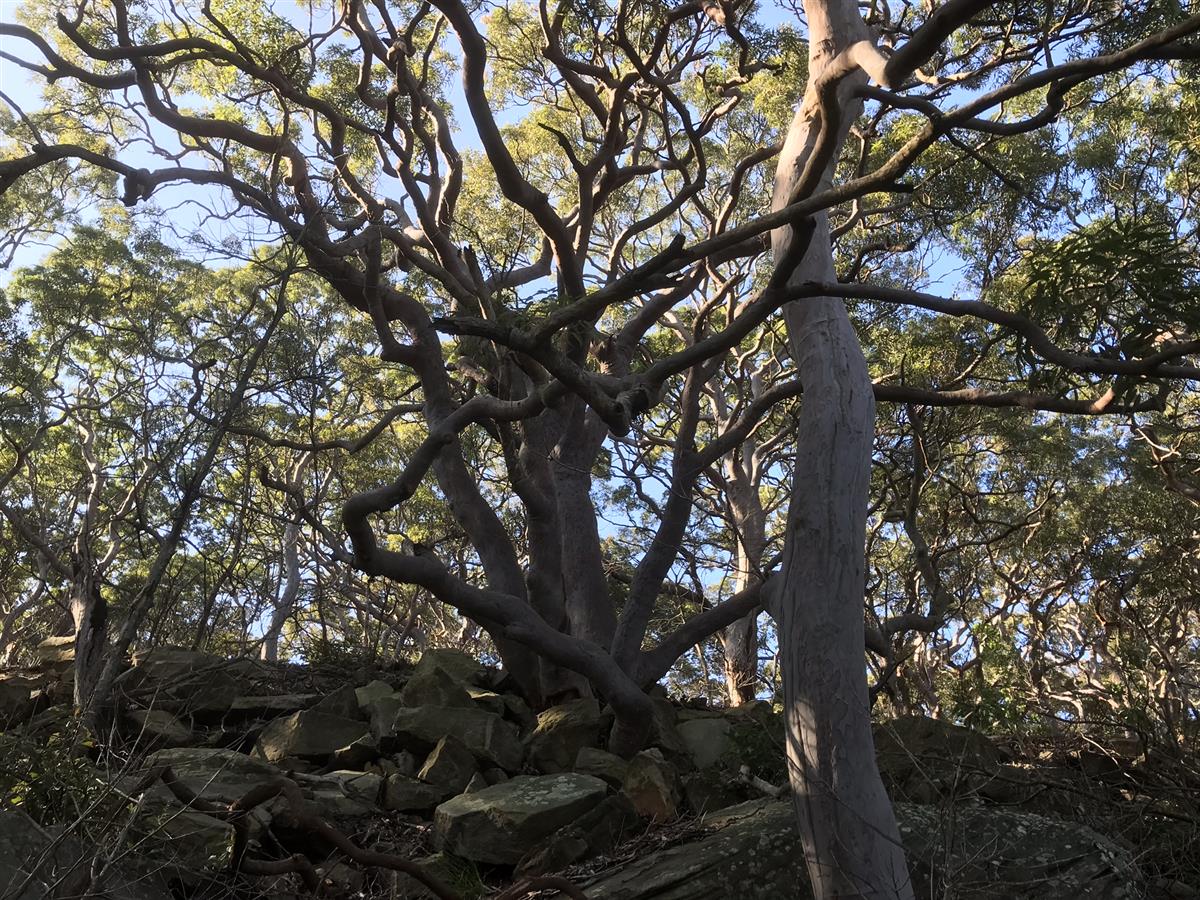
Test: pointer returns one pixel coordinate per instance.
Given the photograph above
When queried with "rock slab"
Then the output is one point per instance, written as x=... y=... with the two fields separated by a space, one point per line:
x=502 y=823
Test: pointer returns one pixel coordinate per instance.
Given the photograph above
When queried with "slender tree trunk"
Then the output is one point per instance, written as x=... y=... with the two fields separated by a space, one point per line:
x=291 y=590
x=89 y=610
x=846 y=822
x=740 y=640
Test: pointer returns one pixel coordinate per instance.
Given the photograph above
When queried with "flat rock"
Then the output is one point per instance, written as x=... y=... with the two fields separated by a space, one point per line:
x=60 y=649
x=270 y=705
x=502 y=823
x=753 y=851
x=157 y=726
x=308 y=734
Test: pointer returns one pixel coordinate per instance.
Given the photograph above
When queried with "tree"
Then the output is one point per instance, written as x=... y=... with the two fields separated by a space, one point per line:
x=521 y=286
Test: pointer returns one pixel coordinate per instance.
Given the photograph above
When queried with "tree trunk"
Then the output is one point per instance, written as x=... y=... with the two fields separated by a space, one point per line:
x=740 y=640
x=291 y=590
x=89 y=610
x=848 y=830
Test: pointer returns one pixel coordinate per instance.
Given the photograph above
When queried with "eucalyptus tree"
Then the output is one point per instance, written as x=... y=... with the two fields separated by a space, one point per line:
x=107 y=447
x=522 y=284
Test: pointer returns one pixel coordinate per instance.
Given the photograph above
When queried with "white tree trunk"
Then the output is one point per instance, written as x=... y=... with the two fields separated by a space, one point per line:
x=846 y=822
x=291 y=590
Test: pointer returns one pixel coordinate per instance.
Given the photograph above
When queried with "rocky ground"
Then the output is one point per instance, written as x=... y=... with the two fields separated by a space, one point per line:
x=237 y=778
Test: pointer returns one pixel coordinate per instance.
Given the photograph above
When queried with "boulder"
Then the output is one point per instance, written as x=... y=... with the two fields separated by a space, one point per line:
x=502 y=823
x=712 y=789
x=487 y=736
x=596 y=831
x=925 y=760
x=753 y=851
x=308 y=734
x=34 y=866
x=181 y=682
x=356 y=755
x=457 y=873
x=433 y=686
x=663 y=733
x=219 y=776
x=652 y=785
x=366 y=695
x=16 y=702
x=602 y=764
x=450 y=766
x=706 y=739
x=187 y=841
x=462 y=667
x=54 y=650
x=489 y=701
x=561 y=732
x=403 y=794
x=159 y=727
x=366 y=787
x=269 y=706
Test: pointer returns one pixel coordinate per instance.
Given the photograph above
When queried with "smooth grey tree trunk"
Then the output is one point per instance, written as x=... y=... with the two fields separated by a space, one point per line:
x=291 y=590
x=846 y=821
x=739 y=641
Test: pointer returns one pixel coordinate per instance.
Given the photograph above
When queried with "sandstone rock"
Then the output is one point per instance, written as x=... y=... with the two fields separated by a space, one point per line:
x=450 y=766
x=219 y=776
x=403 y=794
x=182 y=682
x=34 y=866
x=365 y=787
x=476 y=784
x=356 y=755
x=366 y=695
x=561 y=732
x=711 y=790
x=926 y=759
x=462 y=667
x=212 y=763
x=488 y=737
x=307 y=735
x=652 y=785
x=706 y=739
x=16 y=703
x=602 y=764
x=270 y=705
x=489 y=701
x=663 y=733
x=596 y=831
x=434 y=686
x=502 y=823
x=59 y=649
x=188 y=840
x=753 y=851
x=157 y=726
x=448 y=869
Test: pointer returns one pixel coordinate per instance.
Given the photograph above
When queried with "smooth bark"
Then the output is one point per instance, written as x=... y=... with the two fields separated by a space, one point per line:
x=846 y=822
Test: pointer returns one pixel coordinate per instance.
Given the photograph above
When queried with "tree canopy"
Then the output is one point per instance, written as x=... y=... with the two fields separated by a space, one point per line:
x=567 y=333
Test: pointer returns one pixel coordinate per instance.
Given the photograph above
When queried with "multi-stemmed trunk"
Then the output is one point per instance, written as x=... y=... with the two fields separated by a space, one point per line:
x=847 y=826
